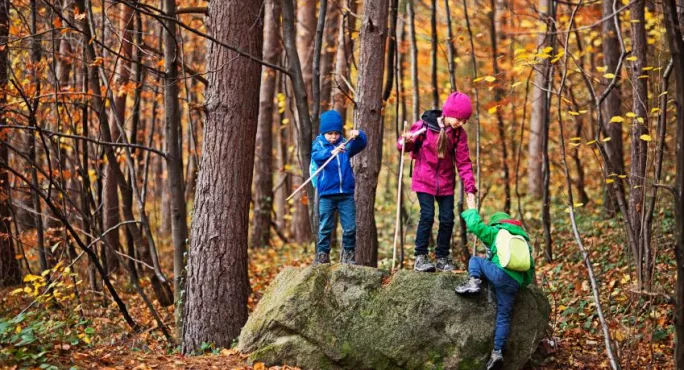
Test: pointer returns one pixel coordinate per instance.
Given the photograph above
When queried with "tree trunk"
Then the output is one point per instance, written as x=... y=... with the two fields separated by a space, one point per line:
x=611 y=106
x=342 y=60
x=368 y=117
x=33 y=162
x=414 y=60
x=221 y=215
x=639 y=147
x=263 y=166
x=174 y=159
x=539 y=112
x=10 y=273
x=434 y=41
x=498 y=96
x=332 y=28
x=111 y=216
x=306 y=28
x=674 y=33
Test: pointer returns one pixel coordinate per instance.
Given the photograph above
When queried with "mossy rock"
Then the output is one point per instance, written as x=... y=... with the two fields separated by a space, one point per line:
x=355 y=317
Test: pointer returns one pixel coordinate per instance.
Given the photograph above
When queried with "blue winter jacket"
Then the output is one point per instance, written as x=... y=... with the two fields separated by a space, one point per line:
x=337 y=177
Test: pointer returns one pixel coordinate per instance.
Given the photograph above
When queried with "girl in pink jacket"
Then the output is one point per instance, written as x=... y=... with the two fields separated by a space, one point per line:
x=438 y=153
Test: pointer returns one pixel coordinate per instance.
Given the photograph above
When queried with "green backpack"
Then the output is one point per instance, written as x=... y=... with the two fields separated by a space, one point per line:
x=513 y=251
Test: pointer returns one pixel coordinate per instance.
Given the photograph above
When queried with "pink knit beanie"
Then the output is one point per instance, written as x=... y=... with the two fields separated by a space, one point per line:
x=458 y=105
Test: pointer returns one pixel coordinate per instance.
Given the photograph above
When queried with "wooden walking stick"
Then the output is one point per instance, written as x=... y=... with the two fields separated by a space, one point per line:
x=401 y=170
x=318 y=170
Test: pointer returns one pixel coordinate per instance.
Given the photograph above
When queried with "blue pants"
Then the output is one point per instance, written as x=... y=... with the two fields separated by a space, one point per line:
x=505 y=288
x=345 y=206
x=427 y=216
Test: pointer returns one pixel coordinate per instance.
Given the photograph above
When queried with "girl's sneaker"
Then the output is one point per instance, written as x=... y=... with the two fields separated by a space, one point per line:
x=423 y=264
x=444 y=264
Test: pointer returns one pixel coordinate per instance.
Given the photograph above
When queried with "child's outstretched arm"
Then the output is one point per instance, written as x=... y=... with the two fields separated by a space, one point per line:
x=358 y=144
x=463 y=163
x=476 y=226
x=320 y=153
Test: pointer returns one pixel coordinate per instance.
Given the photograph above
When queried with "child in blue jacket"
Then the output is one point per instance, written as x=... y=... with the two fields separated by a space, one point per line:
x=336 y=185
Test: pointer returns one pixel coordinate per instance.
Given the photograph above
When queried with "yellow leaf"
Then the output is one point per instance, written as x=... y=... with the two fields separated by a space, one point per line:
x=662 y=93
x=601 y=68
x=617 y=119
x=609 y=181
x=645 y=137
x=548 y=49
x=577 y=204
x=492 y=110
x=16 y=291
x=478 y=79
x=490 y=78
x=573 y=113
x=29 y=278
x=606 y=139
x=647 y=68
x=576 y=138
x=609 y=75
x=516 y=84
x=259 y=366
x=654 y=110
x=630 y=114
x=619 y=335
x=583 y=111
x=632 y=58
x=591 y=142
x=575 y=144
x=18 y=329
x=622 y=176
x=640 y=119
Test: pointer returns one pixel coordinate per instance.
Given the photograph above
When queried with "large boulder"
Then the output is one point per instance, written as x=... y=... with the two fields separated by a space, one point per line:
x=353 y=317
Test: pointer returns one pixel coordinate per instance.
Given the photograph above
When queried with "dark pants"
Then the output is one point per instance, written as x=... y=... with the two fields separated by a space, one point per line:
x=427 y=216
x=505 y=288
x=345 y=206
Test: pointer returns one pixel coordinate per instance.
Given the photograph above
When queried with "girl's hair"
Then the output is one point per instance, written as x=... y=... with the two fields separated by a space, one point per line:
x=442 y=144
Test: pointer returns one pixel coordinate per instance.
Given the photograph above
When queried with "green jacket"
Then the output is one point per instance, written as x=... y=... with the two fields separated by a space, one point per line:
x=487 y=233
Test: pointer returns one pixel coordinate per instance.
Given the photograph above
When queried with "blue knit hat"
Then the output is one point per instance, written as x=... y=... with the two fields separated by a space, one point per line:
x=331 y=121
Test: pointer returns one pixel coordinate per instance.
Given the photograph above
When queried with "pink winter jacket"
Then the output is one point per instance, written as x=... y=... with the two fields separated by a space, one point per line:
x=437 y=176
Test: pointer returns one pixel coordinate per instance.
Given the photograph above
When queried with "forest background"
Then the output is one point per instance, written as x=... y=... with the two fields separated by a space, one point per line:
x=147 y=150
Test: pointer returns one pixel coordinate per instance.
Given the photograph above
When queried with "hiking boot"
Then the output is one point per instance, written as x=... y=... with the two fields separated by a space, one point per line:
x=444 y=264
x=423 y=264
x=496 y=361
x=321 y=257
x=348 y=257
x=471 y=286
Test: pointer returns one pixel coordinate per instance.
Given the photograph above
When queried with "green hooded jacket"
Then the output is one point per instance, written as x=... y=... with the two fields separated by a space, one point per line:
x=487 y=233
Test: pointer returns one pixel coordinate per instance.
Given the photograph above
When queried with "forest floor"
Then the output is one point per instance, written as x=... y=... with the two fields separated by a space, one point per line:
x=83 y=334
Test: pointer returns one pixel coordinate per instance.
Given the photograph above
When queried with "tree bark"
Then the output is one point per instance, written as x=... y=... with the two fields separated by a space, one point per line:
x=434 y=40
x=221 y=213
x=674 y=35
x=10 y=273
x=539 y=112
x=306 y=27
x=174 y=159
x=414 y=60
x=639 y=147
x=332 y=28
x=611 y=105
x=368 y=117
x=263 y=166
x=111 y=215
x=343 y=58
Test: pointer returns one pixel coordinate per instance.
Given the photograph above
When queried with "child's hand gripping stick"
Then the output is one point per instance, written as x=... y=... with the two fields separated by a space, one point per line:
x=413 y=135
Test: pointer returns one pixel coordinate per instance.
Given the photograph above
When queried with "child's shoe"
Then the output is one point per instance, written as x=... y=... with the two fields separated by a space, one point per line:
x=321 y=258
x=423 y=264
x=444 y=264
x=348 y=257
x=496 y=361
x=471 y=286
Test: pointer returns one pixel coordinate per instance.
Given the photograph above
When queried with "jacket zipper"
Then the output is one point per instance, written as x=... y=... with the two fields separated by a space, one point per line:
x=339 y=171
